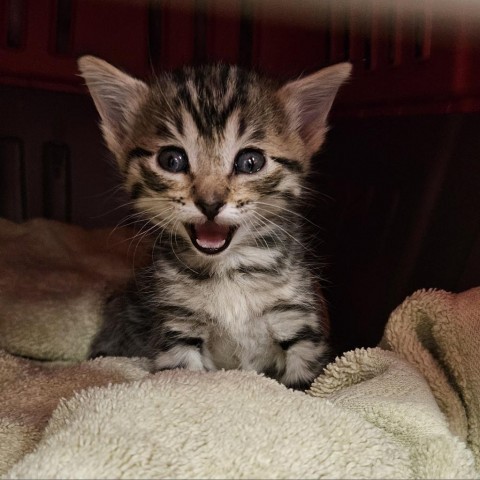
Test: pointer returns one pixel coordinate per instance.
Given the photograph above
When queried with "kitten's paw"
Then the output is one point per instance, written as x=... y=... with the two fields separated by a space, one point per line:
x=304 y=362
x=302 y=386
x=179 y=357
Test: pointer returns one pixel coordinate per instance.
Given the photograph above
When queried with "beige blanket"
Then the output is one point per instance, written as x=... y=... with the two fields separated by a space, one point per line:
x=439 y=333
x=371 y=415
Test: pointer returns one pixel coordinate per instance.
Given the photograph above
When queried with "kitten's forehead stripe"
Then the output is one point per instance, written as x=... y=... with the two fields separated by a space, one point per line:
x=211 y=94
x=178 y=122
x=242 y=126
x=186 y=98
x=164 y=131
x=258 y=134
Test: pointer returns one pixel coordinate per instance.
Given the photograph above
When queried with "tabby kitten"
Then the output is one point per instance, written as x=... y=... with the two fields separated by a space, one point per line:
x=216 y=157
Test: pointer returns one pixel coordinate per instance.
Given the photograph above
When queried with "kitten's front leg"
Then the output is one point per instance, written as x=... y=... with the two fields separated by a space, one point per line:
x=179 y=349
x=304 y=349
x=304 y=359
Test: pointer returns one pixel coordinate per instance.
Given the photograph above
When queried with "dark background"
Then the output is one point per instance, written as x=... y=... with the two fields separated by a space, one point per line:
x=399 y=176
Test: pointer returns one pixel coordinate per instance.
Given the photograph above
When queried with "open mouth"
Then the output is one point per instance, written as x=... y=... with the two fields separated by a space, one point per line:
x=210 y=237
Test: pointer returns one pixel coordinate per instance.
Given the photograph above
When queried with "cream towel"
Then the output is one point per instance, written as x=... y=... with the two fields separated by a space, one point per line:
x=395 y=397
x=234 y=424
x=53 y=280
x=32 y=390
x=439 y=333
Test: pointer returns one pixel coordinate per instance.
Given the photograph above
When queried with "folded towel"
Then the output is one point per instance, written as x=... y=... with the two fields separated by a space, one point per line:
x=236 y=424
x=394 y=396
x=54 y=278
x=32 y=390
x=439 y=333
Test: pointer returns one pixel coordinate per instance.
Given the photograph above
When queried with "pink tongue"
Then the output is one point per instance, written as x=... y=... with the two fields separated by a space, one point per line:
x=211 y=235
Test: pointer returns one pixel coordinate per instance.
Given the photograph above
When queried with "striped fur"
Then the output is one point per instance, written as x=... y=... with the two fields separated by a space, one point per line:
x=251 y=305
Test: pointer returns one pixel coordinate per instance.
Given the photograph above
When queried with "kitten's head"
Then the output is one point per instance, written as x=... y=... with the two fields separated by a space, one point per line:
x=214 y=155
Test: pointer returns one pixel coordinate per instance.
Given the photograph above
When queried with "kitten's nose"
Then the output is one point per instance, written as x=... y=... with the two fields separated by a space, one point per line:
x=210 y=210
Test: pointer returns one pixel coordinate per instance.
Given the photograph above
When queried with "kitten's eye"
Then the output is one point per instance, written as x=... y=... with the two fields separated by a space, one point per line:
x=249 y=161
x=173 y=160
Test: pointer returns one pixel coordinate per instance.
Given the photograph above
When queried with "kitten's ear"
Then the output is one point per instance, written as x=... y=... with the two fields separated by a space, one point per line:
x=309 y=100
x=117 y=97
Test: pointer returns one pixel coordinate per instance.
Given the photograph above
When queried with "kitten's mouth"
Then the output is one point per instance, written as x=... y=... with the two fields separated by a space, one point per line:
x=210 y=237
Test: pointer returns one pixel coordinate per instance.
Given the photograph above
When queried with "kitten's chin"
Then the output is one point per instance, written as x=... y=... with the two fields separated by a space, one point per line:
x=211 y=238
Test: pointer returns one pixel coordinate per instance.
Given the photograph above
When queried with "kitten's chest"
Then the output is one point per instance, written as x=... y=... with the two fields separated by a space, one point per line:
x=230 y=304
x=239 y=336
x=231 y=314
x=230 y=308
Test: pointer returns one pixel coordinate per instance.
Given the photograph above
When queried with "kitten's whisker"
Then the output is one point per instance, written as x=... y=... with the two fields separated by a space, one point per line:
x=133 y=203
x=110 y=191
x=114 y=209
x=121 y=223
x=293 y=212
x=274 y=236
x=252 y=225
x=143 y=233
x=131 y=238
x=156 y=225
x=140 y=216
x=159 y=225
x=316 y=193
x=163 y=227
x=107 y=195
x=257 y=230
x=175 y=253
x=282 y=229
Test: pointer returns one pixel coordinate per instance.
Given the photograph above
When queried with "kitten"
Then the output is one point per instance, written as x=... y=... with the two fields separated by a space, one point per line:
x=216 y=157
